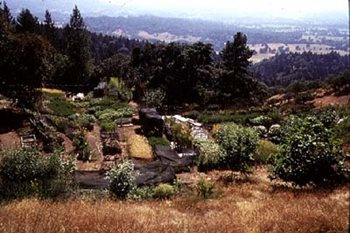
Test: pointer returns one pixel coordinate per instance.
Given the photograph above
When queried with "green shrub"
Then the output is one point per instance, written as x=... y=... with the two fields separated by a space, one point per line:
x=81 y=105
x=142 y=193
x=181 y=134
x=124 y=93
x=108 y=126
x=160 y=141
x=261 y=120
x=154 y=98
x=121 y=179
x=81 y=146
x=211 y=155
x=341 y=131
x=276 y=134
x=83 y=120
x=227 y=116
x=26 y=172
x=104 y=102
x=275 y=116
x=60 y=106
x=328 y=116
x=240 y=144
x=261 y=131
x=309 y=156
x=265 y=151
x=62 y=123
x=205 y=189
x=164 y=191
x=112 y=114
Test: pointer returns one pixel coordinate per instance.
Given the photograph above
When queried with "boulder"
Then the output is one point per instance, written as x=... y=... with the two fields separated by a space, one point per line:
x=151 y=121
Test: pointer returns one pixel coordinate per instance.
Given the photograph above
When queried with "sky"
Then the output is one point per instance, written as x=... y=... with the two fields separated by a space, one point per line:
x=205 y=9
x=275 y=8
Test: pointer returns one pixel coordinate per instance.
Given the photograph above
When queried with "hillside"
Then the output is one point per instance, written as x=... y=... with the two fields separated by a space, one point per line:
x=287 y=68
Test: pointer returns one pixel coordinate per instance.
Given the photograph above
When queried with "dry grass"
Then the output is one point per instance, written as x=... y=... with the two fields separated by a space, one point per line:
x=139 y=147
x=253 y=206
x=51 y=91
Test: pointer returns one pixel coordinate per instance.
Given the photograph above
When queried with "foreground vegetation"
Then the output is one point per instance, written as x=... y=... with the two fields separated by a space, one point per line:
x=251 y=206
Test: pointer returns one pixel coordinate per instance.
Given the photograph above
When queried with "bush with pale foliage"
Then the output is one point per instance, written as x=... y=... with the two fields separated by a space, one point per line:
x=121 y=179
x=139 y=147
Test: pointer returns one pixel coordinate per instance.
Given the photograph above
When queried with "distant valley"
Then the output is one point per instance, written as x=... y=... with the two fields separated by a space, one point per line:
x=266 y=39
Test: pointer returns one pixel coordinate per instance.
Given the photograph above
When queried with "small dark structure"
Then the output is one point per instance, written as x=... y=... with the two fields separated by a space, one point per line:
x=151 y=121
x=170 y=157
x=151 y=173
x=100 y=90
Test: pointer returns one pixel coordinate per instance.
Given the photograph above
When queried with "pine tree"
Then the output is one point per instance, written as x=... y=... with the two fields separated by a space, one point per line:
x=26 y=22
x=78 y=49
x=236 y=54
x=49 y=29
x=7 y=15
x=6 y=21
x=235 y=82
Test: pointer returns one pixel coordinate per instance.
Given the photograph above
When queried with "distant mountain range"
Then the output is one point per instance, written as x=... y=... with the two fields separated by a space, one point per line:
x=155 y=28
x=130 y=23
x=93 y=8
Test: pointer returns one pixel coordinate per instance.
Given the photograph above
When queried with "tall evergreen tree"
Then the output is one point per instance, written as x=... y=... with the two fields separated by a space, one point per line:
x=236 y=54
x=49 y=29
x=235 y=82
x=6 y=13
x=78 y=49
x=26 y=22
x=6 y=21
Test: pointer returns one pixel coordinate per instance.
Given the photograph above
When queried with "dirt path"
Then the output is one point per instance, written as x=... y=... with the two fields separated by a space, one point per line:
x=68 y=144
x=94 y=140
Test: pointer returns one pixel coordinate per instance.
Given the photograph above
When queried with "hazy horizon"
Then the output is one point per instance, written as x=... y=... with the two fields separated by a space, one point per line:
x=217 y=10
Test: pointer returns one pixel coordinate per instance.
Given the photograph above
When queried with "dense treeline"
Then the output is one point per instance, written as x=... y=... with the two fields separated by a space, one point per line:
x=289 y=67
x=38 y=54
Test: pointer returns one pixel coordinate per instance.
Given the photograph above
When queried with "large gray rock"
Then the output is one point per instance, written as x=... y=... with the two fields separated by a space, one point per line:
x=151 y=121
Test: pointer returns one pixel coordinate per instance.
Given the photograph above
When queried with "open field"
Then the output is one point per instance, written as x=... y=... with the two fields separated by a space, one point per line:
x=251 y=206
x=294 y=48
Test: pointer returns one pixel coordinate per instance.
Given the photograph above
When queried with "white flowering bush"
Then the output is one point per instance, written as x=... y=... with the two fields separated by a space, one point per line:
x=211 y=155
x=121 y=179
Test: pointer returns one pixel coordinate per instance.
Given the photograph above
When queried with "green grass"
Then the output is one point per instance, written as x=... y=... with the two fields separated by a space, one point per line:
x=265 y=150
x=154 y=141
x=60 y=106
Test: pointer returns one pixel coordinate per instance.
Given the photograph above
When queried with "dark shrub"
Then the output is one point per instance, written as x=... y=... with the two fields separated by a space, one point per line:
x=309 y=156
x=26 y=172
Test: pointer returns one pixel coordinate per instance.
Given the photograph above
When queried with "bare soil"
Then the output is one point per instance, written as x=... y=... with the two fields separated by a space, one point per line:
x=94 y=140
x=331 y=100
x=9 y=140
